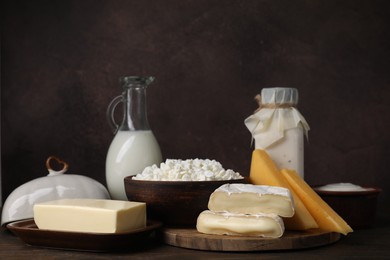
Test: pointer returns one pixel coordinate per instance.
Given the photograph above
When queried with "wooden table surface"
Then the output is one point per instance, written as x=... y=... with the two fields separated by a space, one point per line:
x=372 y=243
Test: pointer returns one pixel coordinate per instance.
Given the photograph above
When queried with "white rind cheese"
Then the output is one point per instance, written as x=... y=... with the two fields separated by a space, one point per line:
x=261 y=225
x=90 y=215
x=252 y=199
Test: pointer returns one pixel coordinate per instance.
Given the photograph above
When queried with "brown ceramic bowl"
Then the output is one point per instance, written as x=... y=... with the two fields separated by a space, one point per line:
x=357 y=208
x=175 y=203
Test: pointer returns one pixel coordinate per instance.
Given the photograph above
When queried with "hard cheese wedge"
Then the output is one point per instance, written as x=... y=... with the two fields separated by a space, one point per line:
x=325 y=216
x=264 y=172
x=262 y=225
x=252 y=199
x=90 y=215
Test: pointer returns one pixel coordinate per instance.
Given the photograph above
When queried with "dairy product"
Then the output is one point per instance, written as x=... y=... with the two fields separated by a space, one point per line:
x=90 y=215
x=263 y=171
x=262 y=225
x=129 y=153
x=343 y=187
x=247 y=210
x=324 y=215
x=252 y=199
x=279 y=128
x=187 y=170
x=289 y=153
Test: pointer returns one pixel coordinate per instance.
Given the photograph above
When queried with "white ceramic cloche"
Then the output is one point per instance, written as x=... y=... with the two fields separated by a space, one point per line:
x=56 y=185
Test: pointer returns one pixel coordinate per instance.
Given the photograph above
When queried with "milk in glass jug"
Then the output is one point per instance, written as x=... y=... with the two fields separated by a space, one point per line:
x=134 y=146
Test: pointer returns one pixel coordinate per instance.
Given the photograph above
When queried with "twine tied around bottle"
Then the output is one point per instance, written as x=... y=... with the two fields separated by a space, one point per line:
x=267 y=126
x=271 y=105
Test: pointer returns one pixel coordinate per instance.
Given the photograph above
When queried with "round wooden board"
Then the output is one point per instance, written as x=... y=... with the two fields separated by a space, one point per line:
x=191 y=238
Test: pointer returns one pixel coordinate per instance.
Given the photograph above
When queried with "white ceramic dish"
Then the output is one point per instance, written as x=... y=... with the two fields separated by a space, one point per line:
x=56 y=185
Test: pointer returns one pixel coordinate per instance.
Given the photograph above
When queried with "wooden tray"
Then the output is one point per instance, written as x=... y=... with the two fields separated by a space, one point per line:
x=191 y=238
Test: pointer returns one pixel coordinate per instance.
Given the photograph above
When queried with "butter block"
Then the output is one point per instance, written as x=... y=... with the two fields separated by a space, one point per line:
x=252 y=199
x=90 y=215
x=224 y=223
x=265 y=172
x=324 y=215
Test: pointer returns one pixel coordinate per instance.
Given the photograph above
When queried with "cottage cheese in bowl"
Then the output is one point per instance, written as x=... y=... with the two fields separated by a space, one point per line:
x=188 y=170
x=177 y=191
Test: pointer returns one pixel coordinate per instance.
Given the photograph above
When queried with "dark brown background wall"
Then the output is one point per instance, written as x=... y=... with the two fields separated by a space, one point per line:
x=61 y=60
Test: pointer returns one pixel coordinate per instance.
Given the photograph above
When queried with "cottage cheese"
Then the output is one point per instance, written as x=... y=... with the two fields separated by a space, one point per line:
x=187 y=170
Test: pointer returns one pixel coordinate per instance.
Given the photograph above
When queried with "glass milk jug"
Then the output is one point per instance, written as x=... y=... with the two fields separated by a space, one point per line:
x=279 y=128
x=134 y=146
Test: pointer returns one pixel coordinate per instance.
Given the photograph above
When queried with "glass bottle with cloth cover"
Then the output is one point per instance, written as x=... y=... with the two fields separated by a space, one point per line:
x=279 y=128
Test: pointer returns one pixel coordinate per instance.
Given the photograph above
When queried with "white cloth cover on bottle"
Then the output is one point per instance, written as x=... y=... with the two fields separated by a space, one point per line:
x=276 y=114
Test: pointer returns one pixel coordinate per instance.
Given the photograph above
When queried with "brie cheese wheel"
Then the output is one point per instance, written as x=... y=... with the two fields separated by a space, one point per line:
x=224 y=223
x=252 y=199
x=90 y=215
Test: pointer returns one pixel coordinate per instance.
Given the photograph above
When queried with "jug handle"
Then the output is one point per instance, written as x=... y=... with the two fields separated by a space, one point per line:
x=111 y=111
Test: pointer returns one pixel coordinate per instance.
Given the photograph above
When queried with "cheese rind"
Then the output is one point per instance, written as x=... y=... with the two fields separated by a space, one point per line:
x=324 y=215
x=252 y=199
x=263 y=171
x=260 y=225
x=90 y=215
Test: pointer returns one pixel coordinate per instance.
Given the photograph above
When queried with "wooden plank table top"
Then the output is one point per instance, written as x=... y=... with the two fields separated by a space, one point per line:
x=372 y=243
